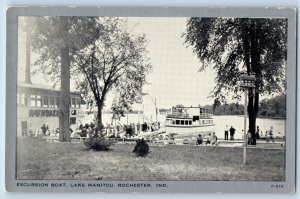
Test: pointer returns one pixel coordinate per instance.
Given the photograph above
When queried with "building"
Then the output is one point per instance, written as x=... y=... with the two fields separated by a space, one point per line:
x=39 y=104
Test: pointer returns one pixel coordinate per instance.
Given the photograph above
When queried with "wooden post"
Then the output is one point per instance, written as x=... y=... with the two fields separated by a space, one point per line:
x=245 y=128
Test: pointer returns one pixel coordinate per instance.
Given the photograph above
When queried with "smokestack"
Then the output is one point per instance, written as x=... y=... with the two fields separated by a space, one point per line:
x=27 y=69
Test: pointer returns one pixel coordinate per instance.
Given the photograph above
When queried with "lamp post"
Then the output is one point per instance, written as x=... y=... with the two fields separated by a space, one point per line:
x=246 y=82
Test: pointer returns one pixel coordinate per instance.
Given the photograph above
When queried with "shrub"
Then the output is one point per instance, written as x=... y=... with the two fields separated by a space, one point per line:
x=98 y=143
x=141 y=148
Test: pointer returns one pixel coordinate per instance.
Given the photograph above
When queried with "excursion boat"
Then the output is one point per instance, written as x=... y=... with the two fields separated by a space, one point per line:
x=189 y=122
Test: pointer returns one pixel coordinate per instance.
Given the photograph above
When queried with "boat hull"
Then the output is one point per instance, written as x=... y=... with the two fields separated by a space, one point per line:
x=190 y=131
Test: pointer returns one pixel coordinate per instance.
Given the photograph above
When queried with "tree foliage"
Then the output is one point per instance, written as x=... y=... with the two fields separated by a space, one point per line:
x=116 y=60
x=269 y=108
x=48 y=38
x=274 y=107
x=234 y=45
x=101 y=53
x=229 y=109
x=55 y=40
x=231 y=46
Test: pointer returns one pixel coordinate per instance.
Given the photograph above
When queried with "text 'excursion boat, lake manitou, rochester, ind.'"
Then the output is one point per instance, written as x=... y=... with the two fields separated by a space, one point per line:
x=189 y=121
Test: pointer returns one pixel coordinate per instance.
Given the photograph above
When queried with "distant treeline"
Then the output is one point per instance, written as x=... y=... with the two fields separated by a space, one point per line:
x=274 y=107
x=271 y=108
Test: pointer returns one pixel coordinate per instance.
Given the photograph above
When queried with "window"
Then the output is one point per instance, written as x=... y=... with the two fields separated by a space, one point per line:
x=73 y=103
x=32 y=101
x=57 y=102
x=51 y=102
x=186 y=122
x=190 y=122
x=78 y=102
x=182 y=122
x=195 y=118
x=38 y=101
x=45 y=101
x=72 y=120
x=23 y=100
x=177 y=122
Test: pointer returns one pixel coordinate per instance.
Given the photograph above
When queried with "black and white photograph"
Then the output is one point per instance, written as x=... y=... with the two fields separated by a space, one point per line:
x=140 y=99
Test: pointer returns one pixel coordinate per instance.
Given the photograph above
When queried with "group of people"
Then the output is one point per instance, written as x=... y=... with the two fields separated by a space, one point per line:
x=268 y=134
x=45 y=130
x=146 y=127
x=87 y=130
x=130 y=130
x=210 y=139
x=250 y=138
x=231 y=131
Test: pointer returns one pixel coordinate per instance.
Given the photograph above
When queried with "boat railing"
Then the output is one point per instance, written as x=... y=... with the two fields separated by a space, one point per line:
x=186 y=116
x=178 y=115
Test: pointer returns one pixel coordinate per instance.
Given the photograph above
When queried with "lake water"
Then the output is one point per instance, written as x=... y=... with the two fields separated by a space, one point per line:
x=238 y=123
x=220 y=123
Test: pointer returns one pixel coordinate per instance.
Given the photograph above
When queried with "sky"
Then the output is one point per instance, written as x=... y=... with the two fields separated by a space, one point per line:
x=174 y=78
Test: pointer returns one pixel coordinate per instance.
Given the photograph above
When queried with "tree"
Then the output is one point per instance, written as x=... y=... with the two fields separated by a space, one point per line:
x=124 y=98
x=55 y=40
x=234 y=45
x=216 y=104
x=116 y=60
x=274 y=107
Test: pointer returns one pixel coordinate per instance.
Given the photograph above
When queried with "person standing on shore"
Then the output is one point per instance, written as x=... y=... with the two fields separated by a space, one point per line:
x=226 y=133
x=232 y=132
x=270 y=135
x=249 y=137
x=257 y=133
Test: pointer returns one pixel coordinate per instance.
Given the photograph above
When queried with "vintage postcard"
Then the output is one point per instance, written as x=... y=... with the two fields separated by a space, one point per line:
x=140 y=99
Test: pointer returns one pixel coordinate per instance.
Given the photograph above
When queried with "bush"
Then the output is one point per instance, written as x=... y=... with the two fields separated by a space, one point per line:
x=98 y=143
x=141 y=148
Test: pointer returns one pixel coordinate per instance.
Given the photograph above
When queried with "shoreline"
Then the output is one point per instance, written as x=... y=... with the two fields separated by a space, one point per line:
x=261 y=117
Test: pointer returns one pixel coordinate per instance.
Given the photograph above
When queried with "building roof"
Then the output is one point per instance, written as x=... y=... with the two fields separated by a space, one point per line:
x=41 y=87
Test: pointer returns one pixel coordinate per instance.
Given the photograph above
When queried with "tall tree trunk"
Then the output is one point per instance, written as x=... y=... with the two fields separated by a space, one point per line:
x=252 y=57
x=64 y=116
x=252 y=112
x=255 y=68
x=99 y=116
x=255 y=112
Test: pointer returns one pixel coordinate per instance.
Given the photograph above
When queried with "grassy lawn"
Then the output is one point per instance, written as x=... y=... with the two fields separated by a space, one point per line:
x=39 y=159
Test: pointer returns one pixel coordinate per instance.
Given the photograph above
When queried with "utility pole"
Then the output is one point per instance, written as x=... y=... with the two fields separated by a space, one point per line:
x=154 y=101
x=155 y=110
x=245 y=128
x=246 y=82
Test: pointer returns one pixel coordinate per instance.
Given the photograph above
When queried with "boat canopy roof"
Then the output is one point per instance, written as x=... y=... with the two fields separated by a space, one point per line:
x=190 y=112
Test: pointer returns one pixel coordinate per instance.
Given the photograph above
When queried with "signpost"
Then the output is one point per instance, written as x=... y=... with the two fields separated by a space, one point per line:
x=247 y=81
